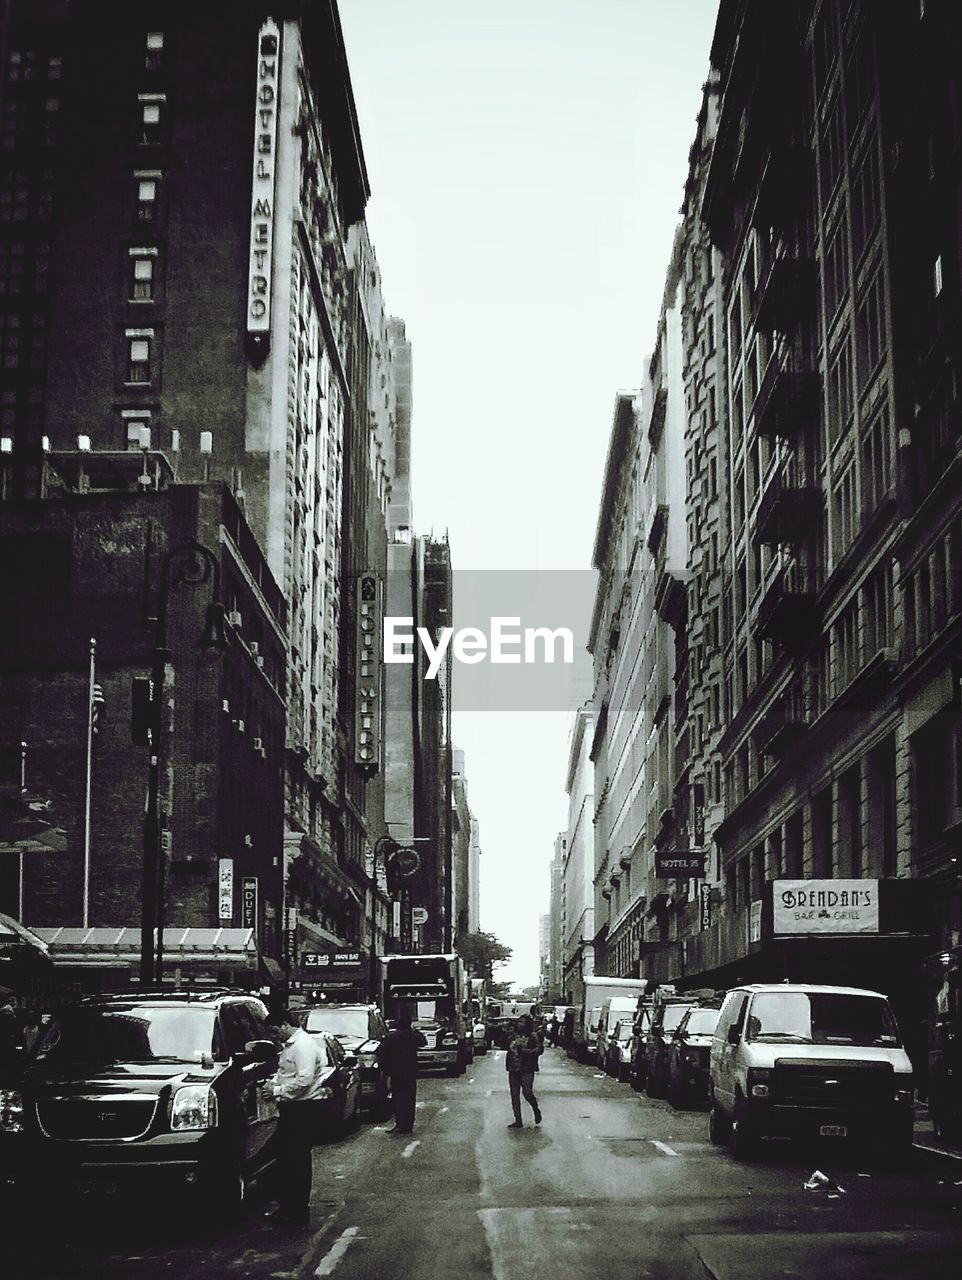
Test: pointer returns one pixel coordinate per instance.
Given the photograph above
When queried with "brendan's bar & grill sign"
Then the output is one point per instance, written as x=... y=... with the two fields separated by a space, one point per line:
x=824 y=906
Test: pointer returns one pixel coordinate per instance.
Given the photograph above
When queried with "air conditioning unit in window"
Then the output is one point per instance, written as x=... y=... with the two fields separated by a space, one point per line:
x=240 y=725
x=254 y=647
x=260 y=662
x=234 y=618
x=258 y=744
x=225 y=706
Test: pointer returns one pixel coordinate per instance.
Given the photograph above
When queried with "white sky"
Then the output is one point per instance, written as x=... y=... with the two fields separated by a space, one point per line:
x=527 y=161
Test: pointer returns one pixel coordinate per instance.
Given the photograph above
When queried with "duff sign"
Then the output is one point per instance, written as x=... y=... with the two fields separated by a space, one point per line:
x=824 y=906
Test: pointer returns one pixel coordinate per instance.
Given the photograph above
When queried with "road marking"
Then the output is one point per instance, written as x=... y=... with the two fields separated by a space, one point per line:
x=336 y=1252
x=441 y=1111
x=663 y=1146
x=410 y=1149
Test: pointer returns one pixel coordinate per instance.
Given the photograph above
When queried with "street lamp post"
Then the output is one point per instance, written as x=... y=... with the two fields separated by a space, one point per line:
x=190 y=564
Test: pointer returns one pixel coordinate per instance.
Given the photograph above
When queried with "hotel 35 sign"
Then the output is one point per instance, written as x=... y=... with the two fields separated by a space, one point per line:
x=267 y=90
x=825 y=906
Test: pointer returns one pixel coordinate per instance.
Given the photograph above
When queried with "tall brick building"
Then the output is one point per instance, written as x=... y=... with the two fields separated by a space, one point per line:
x=184 y=274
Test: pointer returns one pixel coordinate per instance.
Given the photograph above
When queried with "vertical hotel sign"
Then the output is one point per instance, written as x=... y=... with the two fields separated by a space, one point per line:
x=262 y=187
x=367 y=684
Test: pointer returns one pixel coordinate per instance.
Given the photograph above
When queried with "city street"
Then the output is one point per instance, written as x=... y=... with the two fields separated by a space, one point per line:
x=611 y=1185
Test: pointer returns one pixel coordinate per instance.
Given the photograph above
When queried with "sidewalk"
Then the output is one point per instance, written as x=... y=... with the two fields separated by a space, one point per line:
x=925 y=1138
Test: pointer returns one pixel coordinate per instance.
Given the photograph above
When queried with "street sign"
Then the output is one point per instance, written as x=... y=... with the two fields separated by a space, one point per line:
x=419 y=915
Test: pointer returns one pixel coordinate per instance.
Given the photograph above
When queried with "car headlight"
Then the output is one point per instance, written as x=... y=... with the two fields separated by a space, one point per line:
x=448 y=1038
x=325 y=1091
x=193 y=1106
x=758 y=1078
x=11 y=1111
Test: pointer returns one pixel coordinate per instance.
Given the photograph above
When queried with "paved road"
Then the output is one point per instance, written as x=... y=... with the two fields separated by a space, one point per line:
x=611 y=1185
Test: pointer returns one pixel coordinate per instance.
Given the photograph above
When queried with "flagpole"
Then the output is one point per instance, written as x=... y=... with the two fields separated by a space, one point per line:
x=23 y=788
x=87 y=790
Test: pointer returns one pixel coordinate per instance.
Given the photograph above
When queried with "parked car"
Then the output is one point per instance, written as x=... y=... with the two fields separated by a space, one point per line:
x=638 y=1047
x=124 y=1090
x=338 y=1110
x=360 y=1028
x=688 y=1057
x=665 y=1019
x=613 y=1010
x=793 y=1060
x=618 y=1056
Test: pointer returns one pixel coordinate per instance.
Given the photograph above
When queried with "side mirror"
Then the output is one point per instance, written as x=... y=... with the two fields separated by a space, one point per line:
x=733 y=1034
x=260 y=1050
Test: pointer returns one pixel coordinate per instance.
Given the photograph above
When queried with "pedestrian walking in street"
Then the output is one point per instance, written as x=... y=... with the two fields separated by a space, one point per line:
x=521 y=1062
x=293 y=1086
x=399 y=1054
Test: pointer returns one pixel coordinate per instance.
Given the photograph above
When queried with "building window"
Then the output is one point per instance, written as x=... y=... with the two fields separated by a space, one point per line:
x=139 y=356
x=878 y=475
x=147 y=192
x=831 y=150
x=846 y=646
x=840 y=398
x=822 y=834
x=866 y=201
x=142 y=269
x=151 y=118
x=878 y=611
x=137 y=432
x=870 y=331
x=836 y=268
x=154 y=56
x=845 y=520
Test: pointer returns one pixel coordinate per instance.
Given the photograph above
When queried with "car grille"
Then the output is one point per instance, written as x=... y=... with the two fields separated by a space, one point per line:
x=858 y=1086
x=93 y=1118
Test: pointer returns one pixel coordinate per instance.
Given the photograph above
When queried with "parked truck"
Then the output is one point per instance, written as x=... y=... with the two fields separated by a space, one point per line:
x=433 y=990
x=598 y=990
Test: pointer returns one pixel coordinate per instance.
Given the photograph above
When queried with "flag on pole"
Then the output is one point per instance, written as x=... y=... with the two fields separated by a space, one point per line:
x=97 y=700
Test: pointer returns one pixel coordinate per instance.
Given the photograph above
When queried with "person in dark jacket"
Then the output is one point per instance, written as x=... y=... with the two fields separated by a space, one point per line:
x=521 y=1062
x=399 y=1054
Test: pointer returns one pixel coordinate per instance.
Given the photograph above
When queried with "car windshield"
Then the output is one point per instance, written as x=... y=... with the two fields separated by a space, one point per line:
x=624 y=1031
x=701 y=1022
x=339 y=1022
x=804 y=1017
x=130 y=1034
x=673 y=1015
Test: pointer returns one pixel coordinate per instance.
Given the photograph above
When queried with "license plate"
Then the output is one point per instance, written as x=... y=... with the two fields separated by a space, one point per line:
x=833 y=1131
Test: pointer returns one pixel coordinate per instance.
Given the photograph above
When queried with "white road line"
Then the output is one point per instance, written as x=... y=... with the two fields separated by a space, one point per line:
x=441 y=1111
x=336 y=1252
x=663 y=1146
x=410 y=1149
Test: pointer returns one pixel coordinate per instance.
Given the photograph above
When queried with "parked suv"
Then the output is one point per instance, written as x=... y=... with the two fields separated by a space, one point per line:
x=799 y=1060
x=124 y=1089
x=665 y=1019
x=688 y=1056
x=638 y=1048
x=360 y=1028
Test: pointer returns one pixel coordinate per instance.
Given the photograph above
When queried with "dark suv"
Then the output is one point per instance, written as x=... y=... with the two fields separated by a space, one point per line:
x=665 y=1020
x=124 y=1089
x=360 y=1028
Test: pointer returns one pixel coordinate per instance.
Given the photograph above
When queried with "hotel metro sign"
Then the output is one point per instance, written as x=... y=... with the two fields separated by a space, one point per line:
x=262 y=188
x=367 y=684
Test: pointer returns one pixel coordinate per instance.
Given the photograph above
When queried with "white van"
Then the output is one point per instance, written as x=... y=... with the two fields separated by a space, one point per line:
x=795 y=1060
x=591 y=1031
x=613 y=1010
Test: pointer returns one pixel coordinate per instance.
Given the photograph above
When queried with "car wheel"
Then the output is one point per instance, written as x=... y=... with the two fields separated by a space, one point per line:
x=717 y=1126
x=741 y=1137
x=230 y=1192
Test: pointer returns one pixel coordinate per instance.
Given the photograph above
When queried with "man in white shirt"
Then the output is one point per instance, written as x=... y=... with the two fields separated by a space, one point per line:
x=296 y=1082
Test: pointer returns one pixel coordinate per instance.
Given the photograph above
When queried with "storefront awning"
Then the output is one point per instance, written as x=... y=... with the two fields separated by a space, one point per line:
x=119 y=947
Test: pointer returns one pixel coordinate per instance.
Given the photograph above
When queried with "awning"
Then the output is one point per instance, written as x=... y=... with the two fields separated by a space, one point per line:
x=120 y=946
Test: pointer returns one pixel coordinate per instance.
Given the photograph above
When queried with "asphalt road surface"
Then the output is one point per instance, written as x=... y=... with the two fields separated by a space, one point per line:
x=611 y=1185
